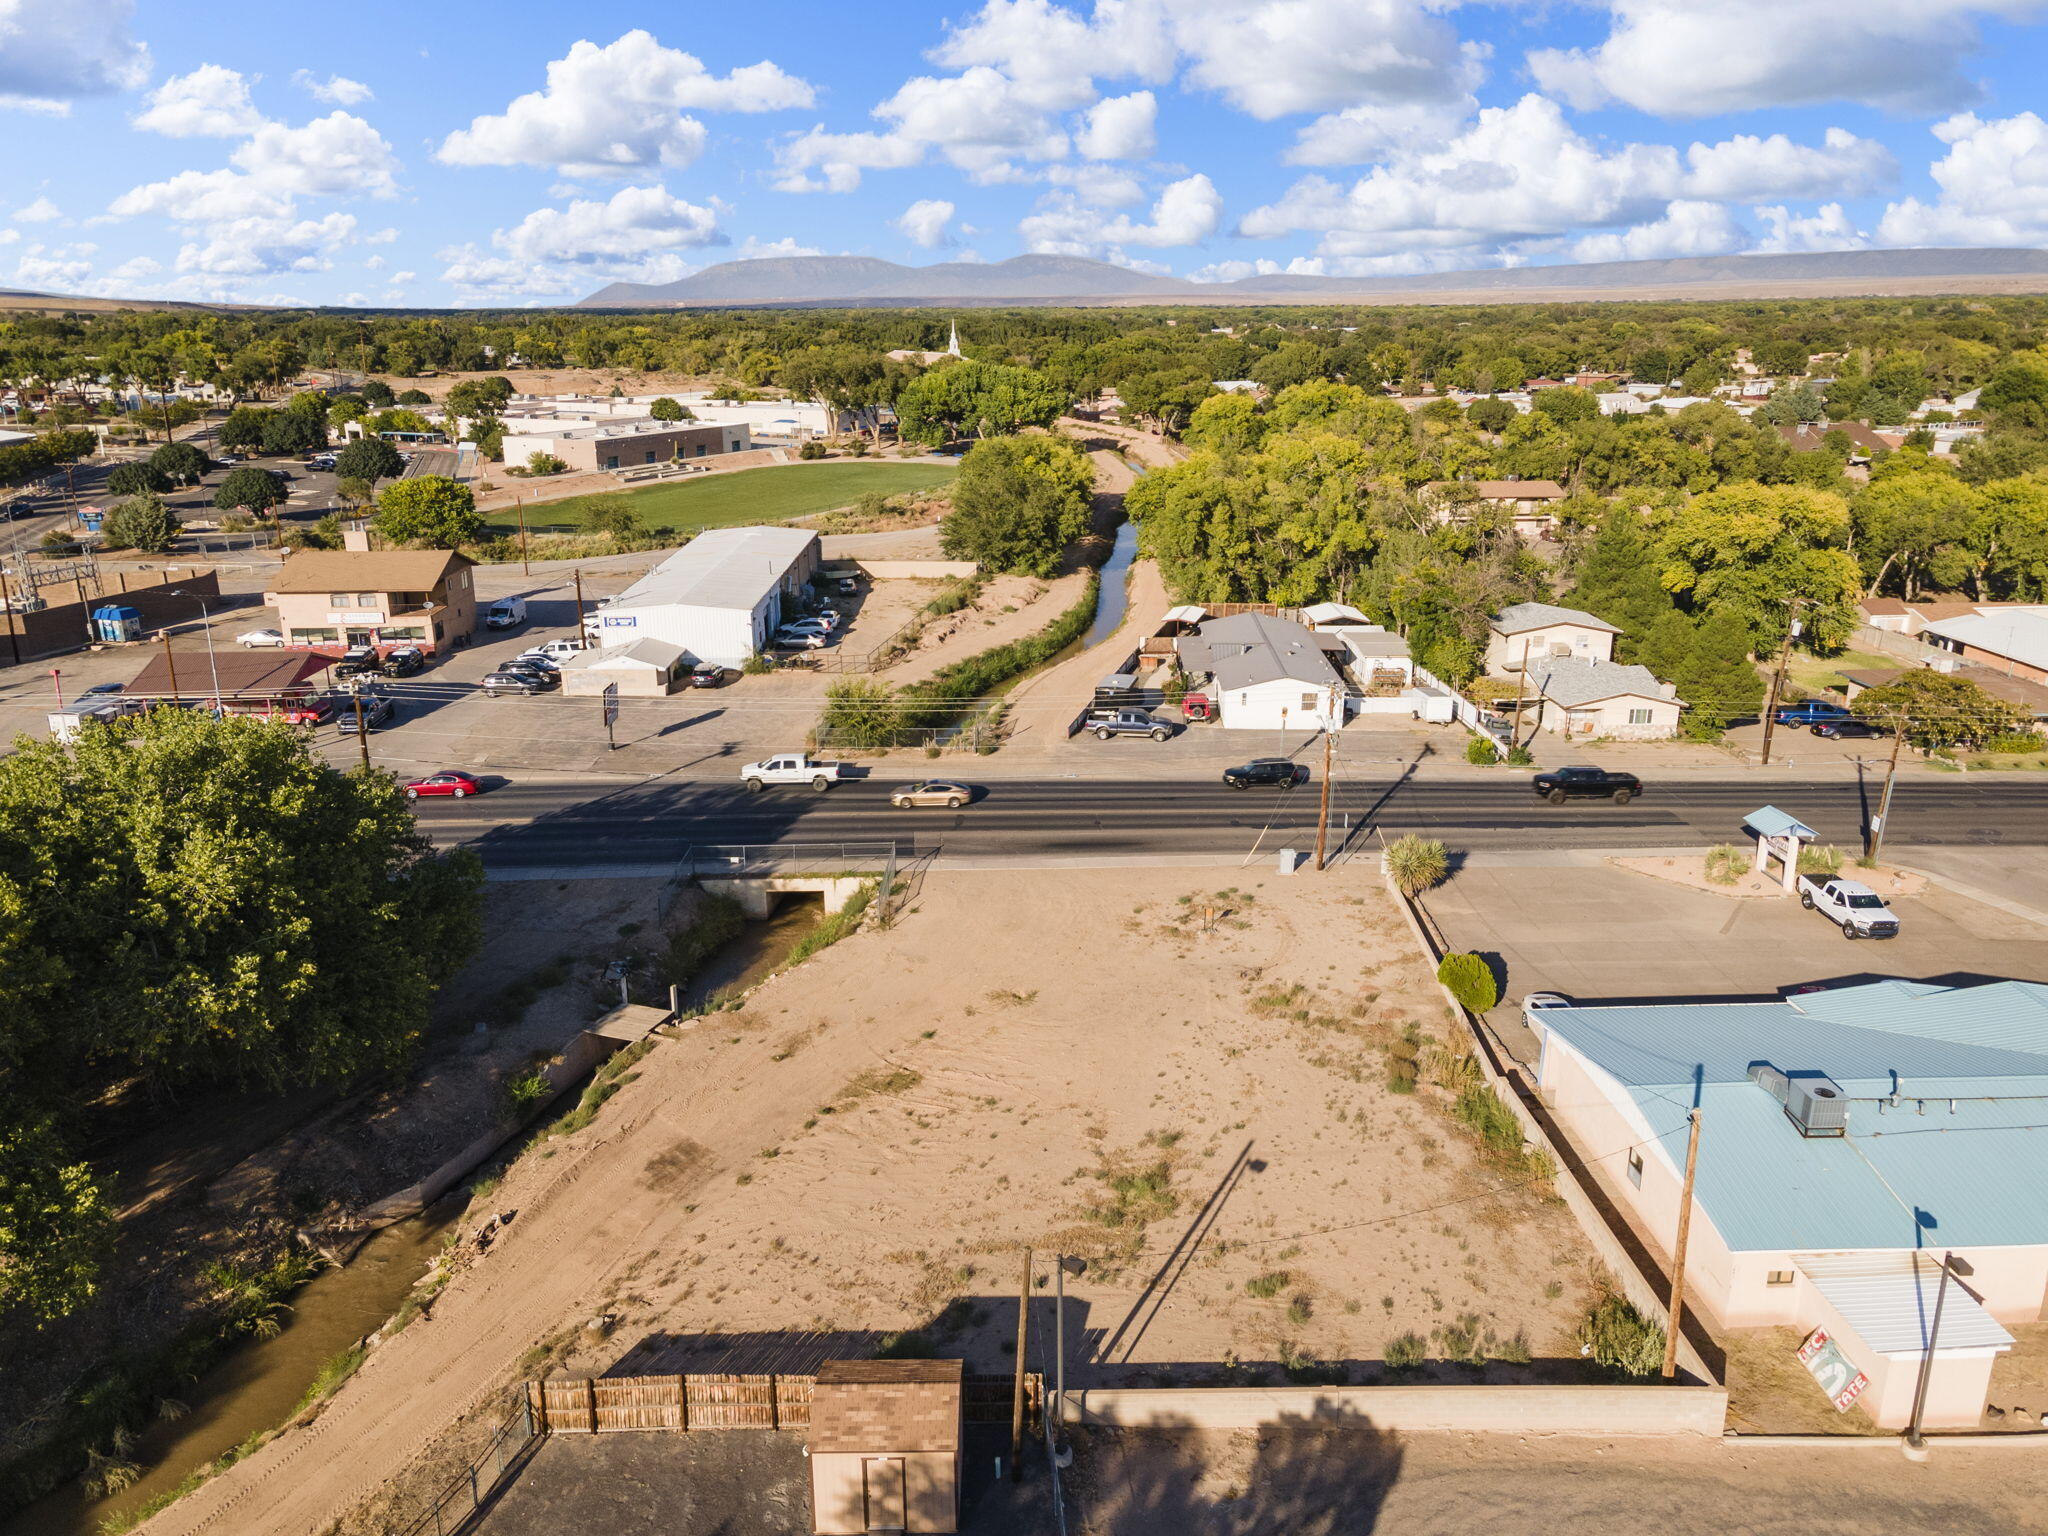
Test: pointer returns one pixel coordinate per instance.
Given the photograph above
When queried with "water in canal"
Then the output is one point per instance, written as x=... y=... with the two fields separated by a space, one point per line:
x=1110 y=594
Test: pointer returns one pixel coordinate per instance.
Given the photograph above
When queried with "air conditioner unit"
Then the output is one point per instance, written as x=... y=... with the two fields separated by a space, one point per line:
x=1768 y=1078
x=1816 y=1104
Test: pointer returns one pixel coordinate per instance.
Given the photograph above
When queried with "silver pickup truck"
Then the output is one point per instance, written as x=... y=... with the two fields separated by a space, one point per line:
x=1849 y=904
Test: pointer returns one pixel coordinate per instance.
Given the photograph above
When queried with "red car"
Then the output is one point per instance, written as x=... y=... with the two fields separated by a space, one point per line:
x=451 y=781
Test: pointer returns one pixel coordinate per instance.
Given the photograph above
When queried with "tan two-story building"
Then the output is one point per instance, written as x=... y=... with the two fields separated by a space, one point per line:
x=1533 y=633
x=329 y=599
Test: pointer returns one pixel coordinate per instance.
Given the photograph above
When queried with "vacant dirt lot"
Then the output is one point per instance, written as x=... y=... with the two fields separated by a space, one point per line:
x=1193 y=1093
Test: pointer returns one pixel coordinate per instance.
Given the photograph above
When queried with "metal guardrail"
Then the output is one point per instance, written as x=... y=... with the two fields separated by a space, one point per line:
x=472 y=1488
x=740 y=860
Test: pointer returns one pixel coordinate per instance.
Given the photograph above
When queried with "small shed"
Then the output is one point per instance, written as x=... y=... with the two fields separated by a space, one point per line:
x=885 y=1446
x=643 y=668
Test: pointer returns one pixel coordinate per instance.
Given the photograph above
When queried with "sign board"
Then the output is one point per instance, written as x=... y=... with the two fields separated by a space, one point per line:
x=611 y=704
x=619 y=620
x=1835 y=1371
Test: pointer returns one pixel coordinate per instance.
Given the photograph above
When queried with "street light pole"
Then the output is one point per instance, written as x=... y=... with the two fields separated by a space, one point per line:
x=1927 y=1358
x=206 y=619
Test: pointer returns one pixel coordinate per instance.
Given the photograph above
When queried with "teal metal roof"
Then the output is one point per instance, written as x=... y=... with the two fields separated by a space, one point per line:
x=1772 y=822
x=1912 y=1173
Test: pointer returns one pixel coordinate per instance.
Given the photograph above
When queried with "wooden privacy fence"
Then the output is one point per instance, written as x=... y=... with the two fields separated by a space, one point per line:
x=600 y=1405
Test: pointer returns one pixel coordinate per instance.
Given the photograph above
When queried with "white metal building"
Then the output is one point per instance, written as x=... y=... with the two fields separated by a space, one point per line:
x=719 y=597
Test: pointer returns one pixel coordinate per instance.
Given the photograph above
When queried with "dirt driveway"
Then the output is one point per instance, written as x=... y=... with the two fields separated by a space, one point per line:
x=1192 y=1092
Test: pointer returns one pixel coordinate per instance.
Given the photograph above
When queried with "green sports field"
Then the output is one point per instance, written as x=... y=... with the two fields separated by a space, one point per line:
x=745 y=496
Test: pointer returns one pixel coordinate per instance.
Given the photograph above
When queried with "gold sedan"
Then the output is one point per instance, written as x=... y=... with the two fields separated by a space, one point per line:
x=930 y=792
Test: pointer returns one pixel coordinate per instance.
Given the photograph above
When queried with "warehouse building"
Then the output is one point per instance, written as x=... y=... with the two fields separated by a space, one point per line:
x=719 y=597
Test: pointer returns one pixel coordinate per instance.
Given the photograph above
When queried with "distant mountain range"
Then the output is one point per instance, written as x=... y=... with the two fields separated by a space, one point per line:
x=821 y=281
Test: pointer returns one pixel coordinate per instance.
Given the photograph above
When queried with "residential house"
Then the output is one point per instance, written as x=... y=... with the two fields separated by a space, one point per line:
x=2011 y=640
x=1532 y=504
x=1850 y=1138
x=1864 y=440
x=1267 y=673
x=333 y=598
x=1579 y=698
x=1534 y=631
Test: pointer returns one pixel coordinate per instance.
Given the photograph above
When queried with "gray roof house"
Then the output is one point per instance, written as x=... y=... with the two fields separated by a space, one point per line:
x=1267 y=673
x=1520 y=618
x=1583 y=698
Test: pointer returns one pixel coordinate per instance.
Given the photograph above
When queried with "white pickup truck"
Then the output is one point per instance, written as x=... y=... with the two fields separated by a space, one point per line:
x=790 y=768
x=1849 y=904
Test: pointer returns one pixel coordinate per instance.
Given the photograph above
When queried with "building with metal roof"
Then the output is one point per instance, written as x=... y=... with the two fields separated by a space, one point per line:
x=1849 y=1138
x=720 y=597
x=1582 y=697
x=1267 y=673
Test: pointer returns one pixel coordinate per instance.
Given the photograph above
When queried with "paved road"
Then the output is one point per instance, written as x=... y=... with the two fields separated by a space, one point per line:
x=587 y=822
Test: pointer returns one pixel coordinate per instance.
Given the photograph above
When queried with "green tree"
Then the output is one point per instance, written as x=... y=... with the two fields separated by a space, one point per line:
x=248 y=488
x=133 y=479
x=665 y=409
x=1490 y=415
x=243 y=430
x=542 y=463
x=2016 y=395
x=1913 y=527
x=611 y=514
x=982 y=399
x=1940 y=709
x=369 y=458
x=1228 y=423
x=181 y=463
x=860 y=712
x=355 y=492
x=1618 y=582
x=2008 y=542
x=141 y=522
x=56 y=1227
x=429 y=509
x=1018 y=503
x=294 y=432
x=1566 y=402
x=1749 y=549
x=415 y=397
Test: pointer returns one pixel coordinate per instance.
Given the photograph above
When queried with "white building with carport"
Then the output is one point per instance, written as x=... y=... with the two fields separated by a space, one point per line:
x=646 y=668
x=720 y=597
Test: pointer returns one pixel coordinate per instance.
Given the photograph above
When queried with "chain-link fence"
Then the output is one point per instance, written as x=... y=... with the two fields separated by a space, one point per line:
x=468 y=1491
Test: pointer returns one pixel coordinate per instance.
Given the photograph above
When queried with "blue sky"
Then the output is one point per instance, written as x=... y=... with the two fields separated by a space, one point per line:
x=523 y=154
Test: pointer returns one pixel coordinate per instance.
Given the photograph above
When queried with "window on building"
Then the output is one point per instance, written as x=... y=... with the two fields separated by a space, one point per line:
x=1639 y=717
x=1308 y=701
x=315 y=636
x=1778 y=1277
x=650 y=456
x=1635 y=1169
x=611 y=461
x=341 y=599
x=700 y=450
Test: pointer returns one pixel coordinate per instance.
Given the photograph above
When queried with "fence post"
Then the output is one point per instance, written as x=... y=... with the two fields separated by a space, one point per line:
x=774 y=1403
x=683 y=1401
x=475 y=1499
x=590 y=1397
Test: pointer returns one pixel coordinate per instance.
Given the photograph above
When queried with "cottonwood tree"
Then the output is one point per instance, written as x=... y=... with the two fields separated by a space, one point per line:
x=1750 y=549
x=369 y=458
x=430 y=509
x=981 y=399
x=1018 y=503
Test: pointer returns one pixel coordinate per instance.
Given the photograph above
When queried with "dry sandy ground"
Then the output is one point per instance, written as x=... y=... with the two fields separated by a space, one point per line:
x=1009 y=608
x=872 y=1138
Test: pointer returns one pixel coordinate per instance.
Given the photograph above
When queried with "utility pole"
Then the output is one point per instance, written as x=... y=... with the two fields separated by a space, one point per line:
x=1323 y=810
x=525 y=569
x=1913 y=1440
x=1778 y=681
x=170 y=662
x=1875 y=841
x=579 y=605
x=362 y=733
x=1017 y=1394
x=1692 y=1159
x=1521 y=691
x=7 y=605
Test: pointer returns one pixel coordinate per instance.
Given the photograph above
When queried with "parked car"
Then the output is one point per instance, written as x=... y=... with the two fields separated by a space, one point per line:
x=799 y=640
x=539 y=659
x=1281 y=771
x=357 y=658
x=846 y=585
x=1849 y=904
x=105 y=688
x=545 y=672
x=1536 y=1002
x=376 y=710
x=508 y=681
x=505 y=613
x=406 y=661
x=930 y=792
x=1587 y=784
x=1810 y=712
x=1848 y=726
x=807 y=627
x=708 y=676
x=450 y=781
x=259 y=639
x=1130 y=722
x=790 y=768
x=558 y=650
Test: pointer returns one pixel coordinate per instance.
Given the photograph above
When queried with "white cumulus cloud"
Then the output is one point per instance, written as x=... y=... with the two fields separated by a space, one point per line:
x=1828 y=228
x=1187 y=212
x=619 y=109
x=41 y=211
x=211 y=102
x=338 y=90
x=63 y=267
x=1746 y=167
x=1120 y=128
x=1687 y=228
x=924 y=221
x=51 y=54
x=1994 y=186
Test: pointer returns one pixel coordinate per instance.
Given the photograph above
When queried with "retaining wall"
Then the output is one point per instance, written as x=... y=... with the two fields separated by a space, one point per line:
x=1553 y=1410
x=904 y=570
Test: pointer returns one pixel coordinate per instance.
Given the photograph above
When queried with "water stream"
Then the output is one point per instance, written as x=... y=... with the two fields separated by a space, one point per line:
x=1110 y=594
x=259 y=1384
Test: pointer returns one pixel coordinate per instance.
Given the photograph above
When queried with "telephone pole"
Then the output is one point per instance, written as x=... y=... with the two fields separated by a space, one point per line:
x=1778 y=681
x=1521 y=692
x=170 y=662
x=525 y=568
x=1323 y=810
x=1873 y=843
x=7 y=604
x=362 y=733
x=1017 y=1394
x=579 y=605
x=1692 y=1160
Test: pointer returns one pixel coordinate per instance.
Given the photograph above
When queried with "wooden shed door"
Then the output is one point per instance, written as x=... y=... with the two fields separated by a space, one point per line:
x=886 y=1500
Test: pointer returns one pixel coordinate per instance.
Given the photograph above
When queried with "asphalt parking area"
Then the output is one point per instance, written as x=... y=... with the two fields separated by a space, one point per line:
x=1599 y=933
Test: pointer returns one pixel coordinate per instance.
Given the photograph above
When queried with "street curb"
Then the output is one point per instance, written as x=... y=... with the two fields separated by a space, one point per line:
x=1983 y=897
x=1967 y=1439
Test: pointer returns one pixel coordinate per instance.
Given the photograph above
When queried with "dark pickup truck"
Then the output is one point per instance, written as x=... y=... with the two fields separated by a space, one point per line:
x=1587 y=784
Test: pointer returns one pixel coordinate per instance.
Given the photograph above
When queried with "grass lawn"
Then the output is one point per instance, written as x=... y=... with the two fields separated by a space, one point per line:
x=1817 y=674
x=745 y=496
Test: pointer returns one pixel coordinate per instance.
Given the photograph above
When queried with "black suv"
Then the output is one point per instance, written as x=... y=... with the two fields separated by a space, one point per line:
x=1587 y=784
x=357 y=659
x=406 y=661
x=1280 y=771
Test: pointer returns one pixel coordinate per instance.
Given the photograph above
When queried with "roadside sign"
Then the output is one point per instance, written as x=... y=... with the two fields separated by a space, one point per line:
x=1835 y=1371
x=611 y=703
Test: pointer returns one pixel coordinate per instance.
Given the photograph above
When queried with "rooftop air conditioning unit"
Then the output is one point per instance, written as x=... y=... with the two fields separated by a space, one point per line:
x=1769 y=1078
x=1816 y=1104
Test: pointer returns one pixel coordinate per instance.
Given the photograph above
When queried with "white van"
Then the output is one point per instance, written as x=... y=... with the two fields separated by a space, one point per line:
x=506 y=613
x=66 y=723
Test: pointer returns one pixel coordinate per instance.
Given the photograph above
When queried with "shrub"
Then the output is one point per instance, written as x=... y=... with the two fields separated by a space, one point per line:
x=1726 y=864
x=1269 y=1285
x=2014 y=741
x=1405 y=1351
x=525 y=1093
x=860 y=712
x=1482 y=752
x=1519 y=756
x=1481 y=1111
x=1823 y=860
x=1416 y=863
x=811 y=450
x=540 y=463
x=1470 y=980
x=1620 y=1338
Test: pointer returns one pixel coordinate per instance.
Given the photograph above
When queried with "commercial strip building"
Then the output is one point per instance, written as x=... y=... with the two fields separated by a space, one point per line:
x=1849 y=1139
x=334 y=598
x=718 y=598
x=622 y=444
x=2012 y=640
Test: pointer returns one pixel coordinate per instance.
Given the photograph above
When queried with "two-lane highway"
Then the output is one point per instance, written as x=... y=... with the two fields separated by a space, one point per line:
x=585 y=823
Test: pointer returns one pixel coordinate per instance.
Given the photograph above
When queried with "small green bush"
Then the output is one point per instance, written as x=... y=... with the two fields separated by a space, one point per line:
x=1470 y=980
x=1727 y=864
x=524 y=1094
x=811 y=450
x=1620 y=1338
x=1417 y=863
x=1270 y=1284
x=1406 y=1351
x=1519 y=756
x=2014 y=741
x=1823 y=860
x=1482 y=1111
x=1482 y=752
